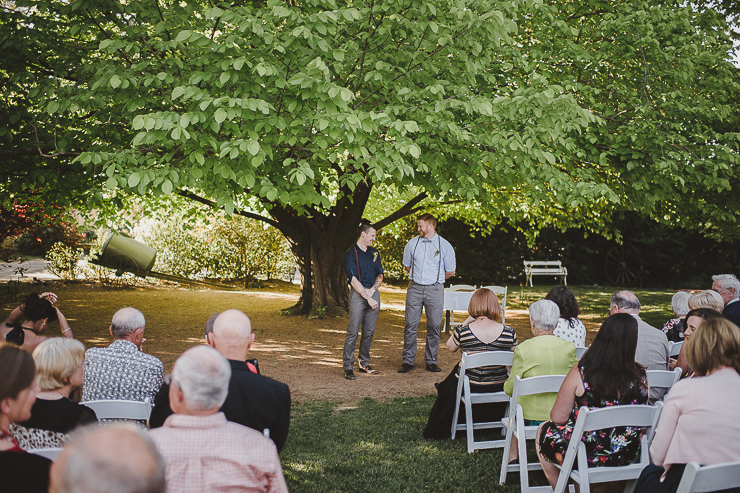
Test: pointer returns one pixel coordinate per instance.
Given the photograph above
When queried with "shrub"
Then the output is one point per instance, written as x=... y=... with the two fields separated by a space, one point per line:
x=61 y=260
x=221 y=247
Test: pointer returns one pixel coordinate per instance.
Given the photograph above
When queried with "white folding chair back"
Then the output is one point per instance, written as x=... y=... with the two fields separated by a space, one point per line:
x=514 y=425
x=580 y=351
x=462 y=301
x=120 y=409
x=462 y=287
x=598 y=419
x=675 y=349
x=49 y=453
x=500 y=291
x=697 y=479
x=663 y=379
x=465 y=396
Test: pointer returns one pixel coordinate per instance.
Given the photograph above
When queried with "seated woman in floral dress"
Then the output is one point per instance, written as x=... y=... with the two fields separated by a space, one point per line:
x=481 y=331
x=606 y=375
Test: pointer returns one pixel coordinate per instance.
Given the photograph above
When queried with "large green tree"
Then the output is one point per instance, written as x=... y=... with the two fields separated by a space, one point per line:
x=297 y=114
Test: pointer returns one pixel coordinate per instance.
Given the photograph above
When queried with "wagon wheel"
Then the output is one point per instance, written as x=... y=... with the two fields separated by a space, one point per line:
x=623 y=265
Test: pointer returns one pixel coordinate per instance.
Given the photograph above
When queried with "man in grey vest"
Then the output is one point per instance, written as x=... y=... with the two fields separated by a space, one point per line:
x=430 y=260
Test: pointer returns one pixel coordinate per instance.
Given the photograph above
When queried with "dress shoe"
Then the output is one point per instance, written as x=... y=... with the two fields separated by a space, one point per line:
x=405 y=368
x=434 y=368
x=369 y=370
x=349 y=374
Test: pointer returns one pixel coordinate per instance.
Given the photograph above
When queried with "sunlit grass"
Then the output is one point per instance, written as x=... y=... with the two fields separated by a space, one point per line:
x=378 y=447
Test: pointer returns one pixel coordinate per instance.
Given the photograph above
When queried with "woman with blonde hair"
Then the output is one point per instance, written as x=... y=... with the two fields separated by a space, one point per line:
x=59 y=371
x=481 y=331
x=707 y=299
x=699 y=413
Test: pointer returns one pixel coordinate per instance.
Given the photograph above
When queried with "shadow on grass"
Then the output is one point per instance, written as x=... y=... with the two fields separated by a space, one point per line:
x=378 y=447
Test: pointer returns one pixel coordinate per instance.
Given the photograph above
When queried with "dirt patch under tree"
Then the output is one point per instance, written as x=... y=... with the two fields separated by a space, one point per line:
x=305 y=354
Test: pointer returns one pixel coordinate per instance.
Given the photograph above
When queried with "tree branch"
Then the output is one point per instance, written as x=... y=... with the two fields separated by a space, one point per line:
x=407 y=209
x=210 y=203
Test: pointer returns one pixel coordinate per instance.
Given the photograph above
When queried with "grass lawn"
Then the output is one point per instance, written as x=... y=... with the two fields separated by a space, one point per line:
x=377 y=447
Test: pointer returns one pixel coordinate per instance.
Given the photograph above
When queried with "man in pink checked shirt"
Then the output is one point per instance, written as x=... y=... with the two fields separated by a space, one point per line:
x=204 y=451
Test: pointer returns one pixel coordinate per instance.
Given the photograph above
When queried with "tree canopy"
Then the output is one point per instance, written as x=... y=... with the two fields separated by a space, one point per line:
x=557 y=114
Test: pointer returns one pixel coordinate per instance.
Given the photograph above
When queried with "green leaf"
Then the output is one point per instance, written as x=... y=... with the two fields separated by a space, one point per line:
x=115 y=81
x=167 y=187
x=183 y=35
x=220 y=115
x=133 y=179
x=253 y=147
x=177 y=92
x=52 y=107
x=111 y=183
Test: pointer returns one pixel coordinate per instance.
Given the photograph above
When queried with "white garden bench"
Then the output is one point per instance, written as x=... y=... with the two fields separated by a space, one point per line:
x=544 y=268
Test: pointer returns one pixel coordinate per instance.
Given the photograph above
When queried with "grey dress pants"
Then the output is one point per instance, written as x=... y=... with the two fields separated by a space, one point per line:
x=431 y=298
x=360 y=313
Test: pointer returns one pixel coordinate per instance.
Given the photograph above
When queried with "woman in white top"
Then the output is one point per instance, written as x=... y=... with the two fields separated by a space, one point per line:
x=569 y=327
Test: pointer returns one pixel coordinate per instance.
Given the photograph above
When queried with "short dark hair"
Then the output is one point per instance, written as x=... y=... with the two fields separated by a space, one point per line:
x=609 y=364
x=36 y=308
x=566 y=301
x=364 y=227
x=428 y=218
x=18 y=370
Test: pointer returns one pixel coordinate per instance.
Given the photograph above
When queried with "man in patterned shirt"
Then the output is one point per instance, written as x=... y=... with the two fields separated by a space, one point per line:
x=204 y=451
x=122 y=370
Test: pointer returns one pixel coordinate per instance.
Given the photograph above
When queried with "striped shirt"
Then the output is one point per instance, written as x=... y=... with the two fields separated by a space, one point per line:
x=469 y=343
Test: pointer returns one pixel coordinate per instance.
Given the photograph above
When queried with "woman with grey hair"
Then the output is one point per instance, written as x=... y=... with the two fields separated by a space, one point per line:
x=673 y=328
x=544 y=354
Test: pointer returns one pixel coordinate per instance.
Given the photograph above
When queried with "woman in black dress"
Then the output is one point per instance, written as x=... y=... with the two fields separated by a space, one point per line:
x=19 y=470
x=59 y=370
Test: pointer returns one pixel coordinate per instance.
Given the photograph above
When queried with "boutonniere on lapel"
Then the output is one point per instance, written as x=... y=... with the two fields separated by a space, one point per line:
x=436 y=253
x=375 y=256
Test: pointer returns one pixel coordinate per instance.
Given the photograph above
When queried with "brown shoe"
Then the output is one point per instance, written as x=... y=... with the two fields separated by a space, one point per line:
x=405 y=368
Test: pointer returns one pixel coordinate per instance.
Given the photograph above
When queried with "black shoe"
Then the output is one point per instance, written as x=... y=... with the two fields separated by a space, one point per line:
x=405 y=368
x=434 y=368
x=369 y=370
x=349 y=374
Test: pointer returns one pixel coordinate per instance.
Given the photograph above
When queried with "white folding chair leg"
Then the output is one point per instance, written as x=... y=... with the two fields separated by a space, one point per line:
x=469 y=425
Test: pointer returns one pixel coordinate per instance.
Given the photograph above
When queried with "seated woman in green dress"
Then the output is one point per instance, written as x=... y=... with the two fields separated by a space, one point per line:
x=544 y=354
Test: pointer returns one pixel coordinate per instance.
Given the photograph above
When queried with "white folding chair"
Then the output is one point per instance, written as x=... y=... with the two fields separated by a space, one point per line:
x=500 y=291
x=514 y=425
x=598 y=419
x=465 y=396
x=120 y=409
x=462 y=300
x=663 y=379
x=698 y=479
x=49 y=453
x=580 y=351
x=674 y=349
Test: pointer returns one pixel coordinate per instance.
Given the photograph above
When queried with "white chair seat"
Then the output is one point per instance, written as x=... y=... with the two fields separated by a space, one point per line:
x=663 y=379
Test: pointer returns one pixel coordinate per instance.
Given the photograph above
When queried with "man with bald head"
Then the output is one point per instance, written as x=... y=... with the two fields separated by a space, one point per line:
x=117 y=458
x=255 y=401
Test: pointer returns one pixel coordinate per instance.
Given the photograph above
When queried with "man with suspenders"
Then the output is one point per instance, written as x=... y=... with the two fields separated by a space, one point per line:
x=430 y=260
x=365 y=274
